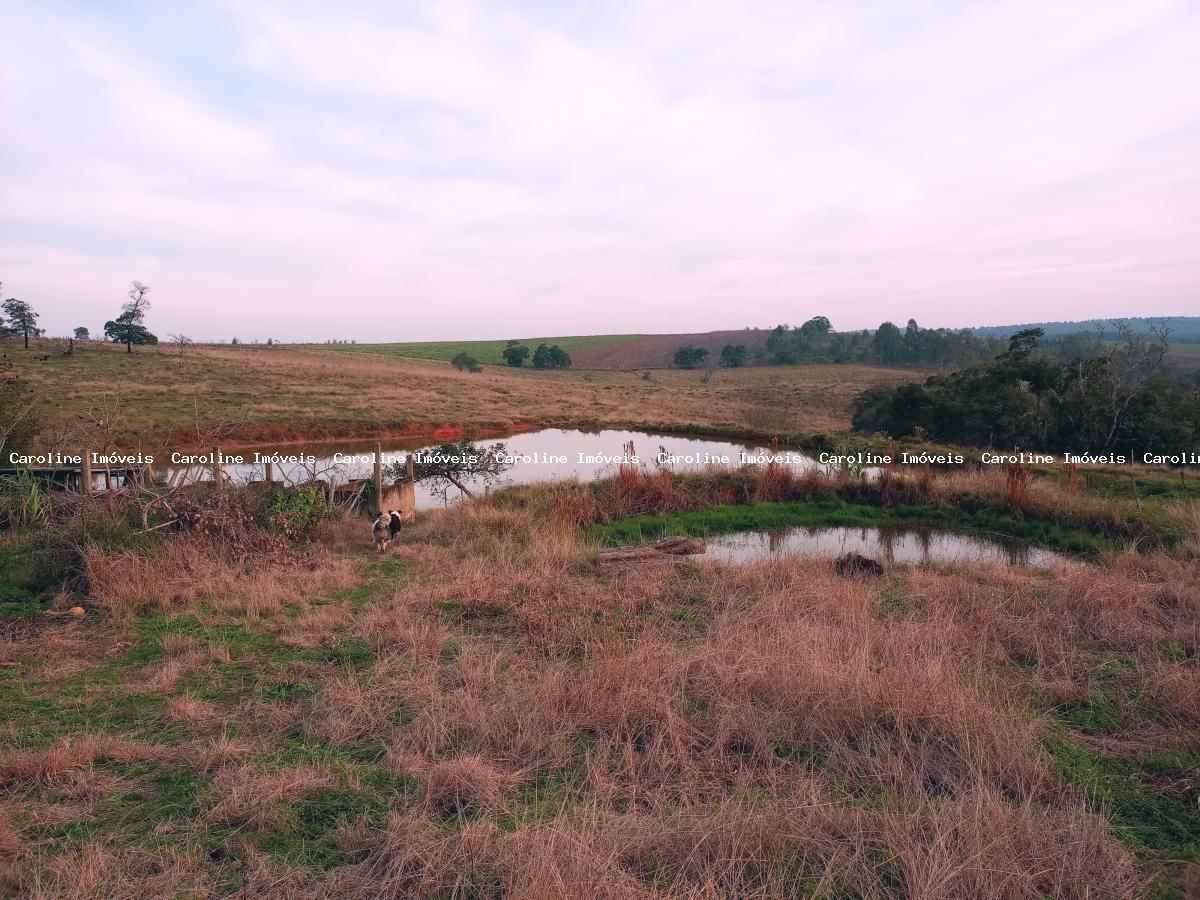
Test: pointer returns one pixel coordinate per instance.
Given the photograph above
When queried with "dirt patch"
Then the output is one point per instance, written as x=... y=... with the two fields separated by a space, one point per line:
x=657 y=351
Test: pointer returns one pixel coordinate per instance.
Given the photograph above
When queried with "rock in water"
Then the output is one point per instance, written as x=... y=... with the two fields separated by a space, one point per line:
x=855 y=565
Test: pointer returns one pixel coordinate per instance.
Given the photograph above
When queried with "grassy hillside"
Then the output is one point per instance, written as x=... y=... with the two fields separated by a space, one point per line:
x=260 y=393
x=487 y=352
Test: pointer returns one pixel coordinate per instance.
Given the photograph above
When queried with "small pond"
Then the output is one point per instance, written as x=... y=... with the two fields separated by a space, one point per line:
x=547 y=455
x=894 y=545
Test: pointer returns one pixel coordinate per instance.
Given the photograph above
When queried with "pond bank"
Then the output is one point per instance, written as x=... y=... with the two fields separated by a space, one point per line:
x=726 y=519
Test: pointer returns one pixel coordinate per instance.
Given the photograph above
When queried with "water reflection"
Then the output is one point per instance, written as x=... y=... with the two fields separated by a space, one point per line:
x=547 y=455
x=894 y=545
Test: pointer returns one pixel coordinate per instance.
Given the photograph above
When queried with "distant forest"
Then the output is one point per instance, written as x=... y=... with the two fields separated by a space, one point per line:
x=942 y=348
x=887 y=345
x=1117 y=398
x=1184 y=329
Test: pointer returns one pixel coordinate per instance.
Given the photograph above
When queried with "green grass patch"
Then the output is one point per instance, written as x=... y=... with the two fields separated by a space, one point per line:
x=486 y=352
x=1162 y=828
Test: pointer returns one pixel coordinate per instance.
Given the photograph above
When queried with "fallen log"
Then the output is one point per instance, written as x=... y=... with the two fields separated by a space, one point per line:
x=670 y=546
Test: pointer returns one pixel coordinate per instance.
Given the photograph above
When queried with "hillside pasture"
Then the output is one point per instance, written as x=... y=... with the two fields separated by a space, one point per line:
x=281 y=393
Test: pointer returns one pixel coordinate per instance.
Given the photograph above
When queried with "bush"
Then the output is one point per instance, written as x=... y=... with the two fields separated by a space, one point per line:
x=551 y=357
x=515 y=355
x=733 y=356
x=294 y=511
x=465 y=361
x=689 y=357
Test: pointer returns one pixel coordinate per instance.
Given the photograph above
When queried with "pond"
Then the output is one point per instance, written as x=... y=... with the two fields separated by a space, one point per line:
x=886 y=544
x=546 y=455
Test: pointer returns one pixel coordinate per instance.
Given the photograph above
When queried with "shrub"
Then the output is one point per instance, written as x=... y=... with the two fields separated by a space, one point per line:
x=551 y=357
x=465 y=361
x=689 y=357
x=293 y=511
x=515 y=355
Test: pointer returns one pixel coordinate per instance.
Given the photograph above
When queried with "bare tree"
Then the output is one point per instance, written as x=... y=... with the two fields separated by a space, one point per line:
x=181 y=341
x=1100 y=391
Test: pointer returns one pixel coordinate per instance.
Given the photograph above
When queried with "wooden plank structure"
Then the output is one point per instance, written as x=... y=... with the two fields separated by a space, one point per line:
x=82 y=478
x=399 y=495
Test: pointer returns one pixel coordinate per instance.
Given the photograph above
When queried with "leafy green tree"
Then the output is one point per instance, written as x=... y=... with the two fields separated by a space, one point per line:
x=21 y=319
x=515 y=355
x=128 y=327
x=559 y=358
x=1116 y=401
x=689 y=357
x=888 y=344
x=82 y=334
x=465 y=361
x=733 y=356
x=457 y=463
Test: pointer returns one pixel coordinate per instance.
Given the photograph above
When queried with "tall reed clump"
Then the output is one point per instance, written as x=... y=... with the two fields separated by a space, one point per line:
x=1018 y=487
x=23 y=502
x=773 y=482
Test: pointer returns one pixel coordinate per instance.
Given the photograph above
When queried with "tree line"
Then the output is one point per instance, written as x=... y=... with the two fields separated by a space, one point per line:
x=816 y=342
x=1116 y=398
x=888 y=345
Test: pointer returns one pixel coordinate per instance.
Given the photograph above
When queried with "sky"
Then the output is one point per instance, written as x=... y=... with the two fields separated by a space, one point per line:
x=384 y=171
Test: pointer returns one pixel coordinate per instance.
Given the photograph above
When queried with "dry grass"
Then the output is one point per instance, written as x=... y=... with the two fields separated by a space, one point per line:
x=251 y=796
x=189 y=570
x=504 y=717
x=41 y=766
x=291 y=394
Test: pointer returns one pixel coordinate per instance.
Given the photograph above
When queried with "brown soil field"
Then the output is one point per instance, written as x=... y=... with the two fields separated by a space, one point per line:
x=657 y=351
x=260 y=394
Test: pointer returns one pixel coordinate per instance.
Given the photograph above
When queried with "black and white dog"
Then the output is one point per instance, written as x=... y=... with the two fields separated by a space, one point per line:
x=385 y=528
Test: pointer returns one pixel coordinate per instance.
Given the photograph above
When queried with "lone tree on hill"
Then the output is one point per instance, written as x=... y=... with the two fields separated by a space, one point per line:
x=551 y=357
x=466 y=361
x=21 y=319
x=689 y=357
x=82 y=334
x=515 y=354
x=127 y=328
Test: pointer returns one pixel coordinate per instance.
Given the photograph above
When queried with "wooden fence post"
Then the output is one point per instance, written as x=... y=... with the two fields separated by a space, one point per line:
x=218 y=476
x=1133 y=484
x=270 y=473
x=86 y=473
x=379 y=477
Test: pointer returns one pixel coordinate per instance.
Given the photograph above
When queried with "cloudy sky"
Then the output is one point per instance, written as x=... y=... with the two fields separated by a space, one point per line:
x=395 y=171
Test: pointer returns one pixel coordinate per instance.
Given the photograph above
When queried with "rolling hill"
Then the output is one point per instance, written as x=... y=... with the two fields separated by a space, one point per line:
x=1184 y=329
x=655 y=351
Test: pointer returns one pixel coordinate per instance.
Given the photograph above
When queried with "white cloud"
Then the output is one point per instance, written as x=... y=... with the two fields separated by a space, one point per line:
x=480 y=170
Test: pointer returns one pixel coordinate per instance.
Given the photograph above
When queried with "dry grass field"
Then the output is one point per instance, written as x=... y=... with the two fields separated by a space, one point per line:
x=489 y=710
x=283 y=394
